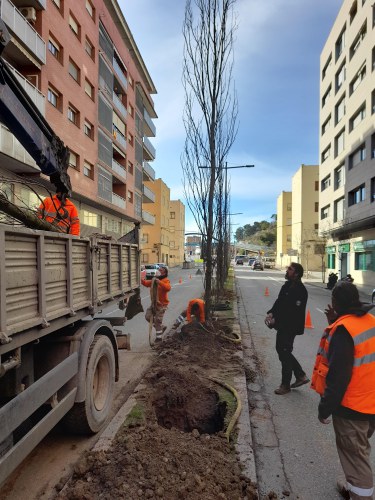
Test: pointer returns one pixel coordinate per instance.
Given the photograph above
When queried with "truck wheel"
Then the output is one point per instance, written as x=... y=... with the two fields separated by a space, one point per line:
x=90 y=416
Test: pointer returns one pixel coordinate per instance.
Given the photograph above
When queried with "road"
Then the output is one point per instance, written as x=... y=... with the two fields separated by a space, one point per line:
x=52 y=459
x=294 y=452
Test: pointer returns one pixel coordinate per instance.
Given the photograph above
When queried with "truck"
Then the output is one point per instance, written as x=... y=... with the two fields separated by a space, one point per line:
x=58 y=351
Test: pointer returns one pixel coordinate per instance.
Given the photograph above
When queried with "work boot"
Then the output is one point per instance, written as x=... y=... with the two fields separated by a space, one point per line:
x=283 y=389
x=159 y=336
x=300 y=381
x=342 y=489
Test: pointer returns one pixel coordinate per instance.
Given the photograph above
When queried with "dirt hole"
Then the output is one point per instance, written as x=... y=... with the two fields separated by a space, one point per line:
x=185 y=402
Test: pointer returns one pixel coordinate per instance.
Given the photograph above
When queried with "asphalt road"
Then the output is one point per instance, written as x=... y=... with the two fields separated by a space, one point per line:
x=294 y=452
x=52 y=459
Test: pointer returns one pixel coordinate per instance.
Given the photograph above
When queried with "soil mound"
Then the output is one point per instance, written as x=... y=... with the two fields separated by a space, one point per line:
x=172 y=446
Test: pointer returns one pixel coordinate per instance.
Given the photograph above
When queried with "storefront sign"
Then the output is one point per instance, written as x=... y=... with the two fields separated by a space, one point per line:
x=331 y=249
x=344 y=247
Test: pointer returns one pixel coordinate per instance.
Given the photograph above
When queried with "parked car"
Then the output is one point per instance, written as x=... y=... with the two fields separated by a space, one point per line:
x=151 y=270
x=240 y=261
x=162 y=264
x=373 y=296
x=251 y=261
x=269 y=262
x=257 y=264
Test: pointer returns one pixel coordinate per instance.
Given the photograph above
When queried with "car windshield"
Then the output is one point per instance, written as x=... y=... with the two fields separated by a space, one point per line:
x=151 y=266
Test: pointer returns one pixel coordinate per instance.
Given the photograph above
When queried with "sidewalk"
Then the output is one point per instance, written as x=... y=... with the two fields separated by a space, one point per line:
x=315 y=278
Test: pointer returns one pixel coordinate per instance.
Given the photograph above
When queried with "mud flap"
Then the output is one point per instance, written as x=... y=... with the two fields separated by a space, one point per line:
x=134 y=306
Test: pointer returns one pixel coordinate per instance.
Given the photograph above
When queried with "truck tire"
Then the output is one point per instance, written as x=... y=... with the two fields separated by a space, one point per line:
x=91 y=415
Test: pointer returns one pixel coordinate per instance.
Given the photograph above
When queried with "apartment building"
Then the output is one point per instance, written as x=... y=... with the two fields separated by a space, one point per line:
x=298 y=221
x=347 y=142
x=80 y=61
x=177 y=232
x=155 y=239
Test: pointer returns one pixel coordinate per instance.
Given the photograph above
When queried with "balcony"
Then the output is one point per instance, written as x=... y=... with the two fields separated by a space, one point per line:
x=148 y=195
x=149 y=125
x=147 y=218
x=119 y=137
x=117 y=102
x=118 y=169
x=23 y=31
x=11 y=147
x=118 y=201
x=149 y=150
x=148 y=172
x=35 y=95
x=120 y=74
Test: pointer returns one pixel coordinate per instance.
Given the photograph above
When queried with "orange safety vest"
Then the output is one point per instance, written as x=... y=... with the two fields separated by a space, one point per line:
x=200 y=302
x=164 y=286
x=360 y=393
x=64 y=216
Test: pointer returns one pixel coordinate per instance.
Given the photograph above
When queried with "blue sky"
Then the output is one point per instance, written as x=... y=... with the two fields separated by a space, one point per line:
x=276 y=73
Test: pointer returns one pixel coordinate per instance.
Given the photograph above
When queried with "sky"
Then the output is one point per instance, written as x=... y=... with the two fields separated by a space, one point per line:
x=276 y=75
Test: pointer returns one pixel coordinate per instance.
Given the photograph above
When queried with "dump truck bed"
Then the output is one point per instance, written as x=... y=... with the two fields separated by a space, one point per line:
x=46 y=277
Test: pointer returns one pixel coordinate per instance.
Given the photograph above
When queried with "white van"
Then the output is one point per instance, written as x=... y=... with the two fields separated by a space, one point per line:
x=269 y=262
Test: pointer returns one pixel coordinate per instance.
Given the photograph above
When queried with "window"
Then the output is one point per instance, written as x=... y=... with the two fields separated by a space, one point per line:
x=74 y=26
x=316 y=185
x=145 y=258
x=373 y=58
x=131 y=139
x=339 y=176
x=172 y=215
x=131 y=110
x=145 y=238
x=357 y=157
x=57 y=3
x=91 y=219
x=88 y=170
x=89 y=89
x=316 y=226
x=89 y=48
x=331 y=258
x=340 y=76
x=316 y=206
x=326 y=96
x=73 y=160
x=361 y=73
x=340 y=110
x=73 y=115
x=357 y=117
x=353 y=11
x=326 y=182
x=288 y=237
x=372 y=190
x=55 y=49
x=373 y=146
x=130 y=196
x=326 y=153
x=74 y=71
x=373 y=102
x=358 y=39
x=326 y=125
x=340 y=44
x=88 y=129
x=363 y=261
x=339 y=142
x=357 y=195
x=326 y=66
x=338 y=211
x=130 y=168
x=90 y=9
x=54 y=97
x=288 y=207
x=324 y=212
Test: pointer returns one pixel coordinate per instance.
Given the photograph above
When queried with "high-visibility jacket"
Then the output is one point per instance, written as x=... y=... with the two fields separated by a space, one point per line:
x=360 y=393
x=200 y=303
x=64 y=216
x=164 y=286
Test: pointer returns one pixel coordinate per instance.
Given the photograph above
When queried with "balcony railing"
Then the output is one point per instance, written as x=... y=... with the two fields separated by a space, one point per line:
x=119 y=169
x=149 y=171
x=150 y=150
x=36 y=96
x=118 y=201
x=119 y=137
x=12 y=147
x=150 y=128
x=120 y=74
x=148 y=195
x=119 y=105
x=148 y=218
x=23 y=30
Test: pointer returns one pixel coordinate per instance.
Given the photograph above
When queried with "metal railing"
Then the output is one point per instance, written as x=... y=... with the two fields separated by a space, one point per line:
x=147 y=217
x=119 y=105
x=36 y=96
x=148 y=170
x=119 y=169
x=147 y=193
x=149 y=147
x=118 y=201
x=120 y=73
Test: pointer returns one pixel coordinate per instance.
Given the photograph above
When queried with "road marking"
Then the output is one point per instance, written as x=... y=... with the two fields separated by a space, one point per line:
x=320 y=310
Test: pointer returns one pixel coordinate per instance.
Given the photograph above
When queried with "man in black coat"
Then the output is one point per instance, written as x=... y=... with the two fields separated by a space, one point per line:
x=287 y=316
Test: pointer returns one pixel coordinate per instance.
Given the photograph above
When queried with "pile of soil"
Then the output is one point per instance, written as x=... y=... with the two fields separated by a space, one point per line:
x=173 y=445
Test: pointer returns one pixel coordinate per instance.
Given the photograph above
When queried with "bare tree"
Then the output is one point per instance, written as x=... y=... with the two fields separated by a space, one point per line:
x=210 y=115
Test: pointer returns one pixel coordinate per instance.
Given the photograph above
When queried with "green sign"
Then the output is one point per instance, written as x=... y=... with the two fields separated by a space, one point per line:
x=331 y=249
x=358 y=246
x=344 y=247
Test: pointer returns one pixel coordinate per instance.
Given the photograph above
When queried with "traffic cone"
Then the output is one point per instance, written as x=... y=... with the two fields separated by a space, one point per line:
x=266 y=293
x=180 y=281
x=308 y=323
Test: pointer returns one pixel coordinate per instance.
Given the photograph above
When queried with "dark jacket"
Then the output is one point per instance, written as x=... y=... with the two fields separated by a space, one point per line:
x=289 y=308
x=340 y=359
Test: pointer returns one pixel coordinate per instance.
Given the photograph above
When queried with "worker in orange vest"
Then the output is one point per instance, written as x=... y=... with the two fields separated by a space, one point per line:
x=195 y=310
x=161 y=300
x=344 y=376
x=60 y=211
